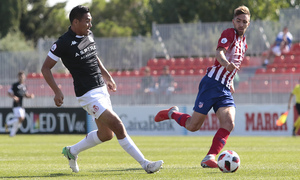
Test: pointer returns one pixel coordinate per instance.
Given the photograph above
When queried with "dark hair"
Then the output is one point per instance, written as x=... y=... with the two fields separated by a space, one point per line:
x=21 y=73
x=241 y=10
x=78 y=12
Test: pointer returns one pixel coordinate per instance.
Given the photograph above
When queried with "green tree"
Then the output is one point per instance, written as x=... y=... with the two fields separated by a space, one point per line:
x=124 y=15
x=109 y=28
x=56 y=21
x=39 y=20
x=182 y=11
x=15 y=41
x=267 y=10
x=10 y=14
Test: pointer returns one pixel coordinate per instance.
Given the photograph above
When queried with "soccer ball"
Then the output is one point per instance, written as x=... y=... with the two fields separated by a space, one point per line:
x=228 y=161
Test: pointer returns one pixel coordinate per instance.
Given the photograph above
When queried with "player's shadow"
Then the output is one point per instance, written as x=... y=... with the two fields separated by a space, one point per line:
x=53 y=175
x=119 y=170
x=50 y=175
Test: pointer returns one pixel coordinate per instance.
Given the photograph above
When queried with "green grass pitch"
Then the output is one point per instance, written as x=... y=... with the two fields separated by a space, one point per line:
x=39 y=157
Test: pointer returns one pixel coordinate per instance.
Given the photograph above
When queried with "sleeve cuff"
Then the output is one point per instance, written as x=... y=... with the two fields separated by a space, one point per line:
x=52 y=56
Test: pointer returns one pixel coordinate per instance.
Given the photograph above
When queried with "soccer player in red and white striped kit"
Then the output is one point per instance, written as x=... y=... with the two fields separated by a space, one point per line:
x=216 y=87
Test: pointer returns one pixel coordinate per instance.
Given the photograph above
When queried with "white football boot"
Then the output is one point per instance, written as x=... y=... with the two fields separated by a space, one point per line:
x=153 y=167
x=72 y=159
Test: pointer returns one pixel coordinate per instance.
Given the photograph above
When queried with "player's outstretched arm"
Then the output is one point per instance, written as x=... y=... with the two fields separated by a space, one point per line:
x=46 y=70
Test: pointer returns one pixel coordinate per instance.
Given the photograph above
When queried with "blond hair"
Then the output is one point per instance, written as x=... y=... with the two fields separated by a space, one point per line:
x=241 y=10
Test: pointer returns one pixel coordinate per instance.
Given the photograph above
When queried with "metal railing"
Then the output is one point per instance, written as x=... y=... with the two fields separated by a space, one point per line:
x=132 y=53
x=262 y=89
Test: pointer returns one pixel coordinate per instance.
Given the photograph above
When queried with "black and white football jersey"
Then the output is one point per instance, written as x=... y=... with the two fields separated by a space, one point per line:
x=78 y=54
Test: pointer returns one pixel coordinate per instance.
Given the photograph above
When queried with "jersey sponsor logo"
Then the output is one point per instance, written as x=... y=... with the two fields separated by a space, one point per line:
x=21 y=90
x=224 y=40
x=54 y=46
x=84 y=53
x=73 y=43
x=91 y=39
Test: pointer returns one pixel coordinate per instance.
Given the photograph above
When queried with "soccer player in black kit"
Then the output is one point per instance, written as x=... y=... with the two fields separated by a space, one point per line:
x=17 y=91
x=77 y=50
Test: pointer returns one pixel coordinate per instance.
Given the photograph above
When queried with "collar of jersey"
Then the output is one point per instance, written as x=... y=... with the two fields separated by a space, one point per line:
x=73 y=33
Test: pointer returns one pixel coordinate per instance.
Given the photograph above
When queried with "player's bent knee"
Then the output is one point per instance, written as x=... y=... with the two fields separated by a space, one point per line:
x=106 y=136
x=192 y=128
x=228 y=126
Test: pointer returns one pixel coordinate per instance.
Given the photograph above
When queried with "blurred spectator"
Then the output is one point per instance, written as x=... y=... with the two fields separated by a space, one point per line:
x=147 y=87
x=281 y=45
x=164 y=86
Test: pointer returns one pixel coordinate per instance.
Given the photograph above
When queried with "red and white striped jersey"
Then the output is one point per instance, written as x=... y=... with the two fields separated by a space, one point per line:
x=235 y=50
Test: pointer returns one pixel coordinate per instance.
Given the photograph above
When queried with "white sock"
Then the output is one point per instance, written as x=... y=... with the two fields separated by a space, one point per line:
x=129 y=146
x=12 y=121
x=89 y=141
x=14 y=129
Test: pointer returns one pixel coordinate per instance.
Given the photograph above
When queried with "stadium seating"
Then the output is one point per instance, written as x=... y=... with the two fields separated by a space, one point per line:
x=260 y=71
x=286 y=63
x=275 y=77
x=244 y=87
x=295 y=47
x=180 y=62
x=189 y=63
x=171 y=62
x=198 y=62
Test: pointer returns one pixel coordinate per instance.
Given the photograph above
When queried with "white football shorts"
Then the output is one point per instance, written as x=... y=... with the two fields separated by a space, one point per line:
x=95 y=101
x=276 y=50
x=19 y=112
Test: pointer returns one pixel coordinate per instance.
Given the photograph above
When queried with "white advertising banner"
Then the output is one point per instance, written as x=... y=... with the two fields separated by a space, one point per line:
x=251 y=120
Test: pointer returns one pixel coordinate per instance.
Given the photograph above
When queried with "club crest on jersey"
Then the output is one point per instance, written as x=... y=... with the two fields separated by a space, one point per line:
x=96 y=108
x=73 y=43
x=54 y=46
x=224 y=40
x=200 y=105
